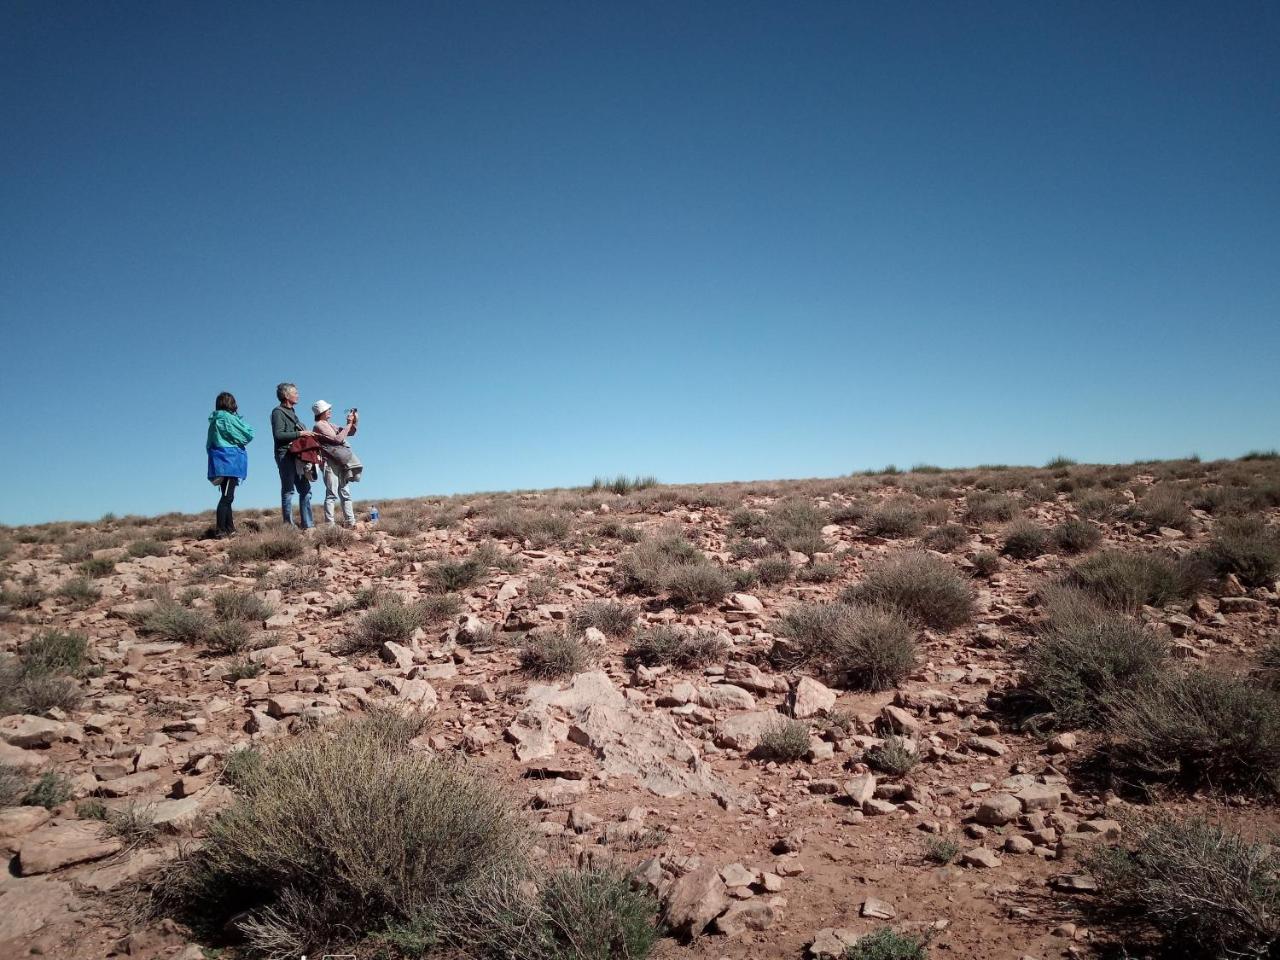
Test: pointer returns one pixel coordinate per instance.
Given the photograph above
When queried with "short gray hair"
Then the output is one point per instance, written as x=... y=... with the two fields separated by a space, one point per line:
x=282 y=390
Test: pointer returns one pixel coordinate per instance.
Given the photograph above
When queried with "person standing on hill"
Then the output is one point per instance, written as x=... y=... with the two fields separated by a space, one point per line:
x=339 y=470
x=286 y=428
x=228 y=461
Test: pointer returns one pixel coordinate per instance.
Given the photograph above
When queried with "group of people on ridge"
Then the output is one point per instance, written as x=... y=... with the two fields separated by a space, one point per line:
x=301 y=456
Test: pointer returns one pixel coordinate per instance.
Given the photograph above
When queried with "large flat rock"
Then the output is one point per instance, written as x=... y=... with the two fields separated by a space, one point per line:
x=62 y=844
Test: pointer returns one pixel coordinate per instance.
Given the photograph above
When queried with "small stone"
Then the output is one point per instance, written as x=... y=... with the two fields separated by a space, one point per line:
x=980 y=857
x=998 y=809
x=877 y=909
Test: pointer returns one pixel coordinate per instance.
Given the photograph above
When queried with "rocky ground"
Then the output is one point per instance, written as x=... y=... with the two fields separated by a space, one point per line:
x=753 y=858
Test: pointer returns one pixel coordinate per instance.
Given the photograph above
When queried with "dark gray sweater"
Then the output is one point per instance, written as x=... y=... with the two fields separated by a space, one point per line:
x=285 y=428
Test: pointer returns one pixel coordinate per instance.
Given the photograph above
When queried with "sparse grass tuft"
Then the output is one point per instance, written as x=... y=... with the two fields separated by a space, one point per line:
x=391 y=619
x=50 y=790
x=170 y=620
x=885 y=944
x=343 y=833
x=280 y=544
x=1075 y=536
x=895 y=519
x=1247 y=547
x=893 y=757
x=148 y=548
x=332 y=535
x=243 y=605
x=1162 y=506
x=622 y=484
x=983 y=508
x=986 y=563
x=79 y=591
x=676 y=646
x=774 y=570
x=941 y=850
x=98 y=567
x=697 y=583
x=823 y=572
x=946 y=538
x=1024 y=540
x=230 y=636
x=42 y=674
x=919 y=584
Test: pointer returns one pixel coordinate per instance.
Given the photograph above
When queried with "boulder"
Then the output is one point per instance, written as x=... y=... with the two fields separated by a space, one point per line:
x=65 y=843
x=811 y=699
x=694 y=900
x=998 y=809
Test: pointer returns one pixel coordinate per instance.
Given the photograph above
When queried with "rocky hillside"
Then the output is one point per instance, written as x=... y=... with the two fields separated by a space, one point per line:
x=934 y=713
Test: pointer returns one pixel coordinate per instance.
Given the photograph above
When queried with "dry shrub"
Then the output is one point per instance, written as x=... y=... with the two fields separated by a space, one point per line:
x=229 y=637
x=80 y=591
x=1162 y=506
x=796 y=524
x=610 y=617
x=1129 y=579
x=1086 y=654
x=679 y=647
x=671 y=564
x=551 y=656
x=281 y=544
x=539 y=528
x=232 y=604
x=894 y=756
x=1206 y=890
x=895 y=519
x=1199 y=729
x=946 y=538
x=864 y=647
x=170 y=620
x=983 y=508
x=391 y=619
x=1076 y=536
x=919 y=584
x=774 y=570
x=1024 y=540
x=1247 y=547
x=148 y=548
x=332 y=535
x=784 y=739
x=986 y=563
x=344 y=832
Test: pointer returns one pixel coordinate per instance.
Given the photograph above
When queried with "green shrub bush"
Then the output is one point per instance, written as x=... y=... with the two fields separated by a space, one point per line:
x=231 y=604
x=946 y=538
x=895 y=519
x=1076 y=536
x=864 y=647
x=556 y=655
x=919 y=584
x=1024 y=540
x=1128 y=579
x=610 y=617
x=1247 y=547
x=1086 y=654
x=784 y=739
x=344 y=832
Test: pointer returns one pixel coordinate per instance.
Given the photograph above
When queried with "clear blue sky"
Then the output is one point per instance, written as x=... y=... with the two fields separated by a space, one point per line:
x=536 y=242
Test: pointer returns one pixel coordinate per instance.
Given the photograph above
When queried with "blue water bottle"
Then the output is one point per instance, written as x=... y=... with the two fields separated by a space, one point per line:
x=373 y=514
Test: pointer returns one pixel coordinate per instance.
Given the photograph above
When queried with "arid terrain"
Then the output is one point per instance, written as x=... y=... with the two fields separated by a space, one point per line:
x=796 y=714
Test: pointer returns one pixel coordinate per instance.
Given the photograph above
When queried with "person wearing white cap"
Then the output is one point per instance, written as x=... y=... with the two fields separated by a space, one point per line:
x=337 y=475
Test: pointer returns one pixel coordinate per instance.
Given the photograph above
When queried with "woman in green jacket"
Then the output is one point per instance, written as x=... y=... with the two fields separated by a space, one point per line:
x=228 y=462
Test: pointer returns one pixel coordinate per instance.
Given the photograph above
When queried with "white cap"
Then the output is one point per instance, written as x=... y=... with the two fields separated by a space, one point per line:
x=320 y=406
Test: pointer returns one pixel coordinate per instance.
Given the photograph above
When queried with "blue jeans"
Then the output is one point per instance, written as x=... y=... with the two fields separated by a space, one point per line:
x=291 y=480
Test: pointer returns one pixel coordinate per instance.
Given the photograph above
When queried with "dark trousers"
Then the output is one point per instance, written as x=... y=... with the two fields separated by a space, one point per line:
x=226 y=524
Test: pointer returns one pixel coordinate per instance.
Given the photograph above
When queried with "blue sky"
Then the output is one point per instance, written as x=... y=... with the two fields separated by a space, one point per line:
x=714 y=241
